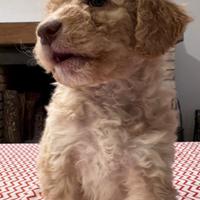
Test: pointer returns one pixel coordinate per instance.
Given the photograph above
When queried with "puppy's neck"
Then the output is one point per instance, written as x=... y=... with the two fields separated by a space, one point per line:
x=141 y=83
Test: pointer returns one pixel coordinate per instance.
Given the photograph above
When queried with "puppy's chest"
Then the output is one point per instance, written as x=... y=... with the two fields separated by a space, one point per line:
x=94 y=134
x=96 y=131
x=101 y=136
x=102 y=151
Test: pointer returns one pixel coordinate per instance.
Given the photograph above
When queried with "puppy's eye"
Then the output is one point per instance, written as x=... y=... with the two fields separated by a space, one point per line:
x=96 y=3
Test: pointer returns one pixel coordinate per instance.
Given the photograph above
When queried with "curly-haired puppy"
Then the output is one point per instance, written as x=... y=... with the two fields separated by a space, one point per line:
x=110 y=129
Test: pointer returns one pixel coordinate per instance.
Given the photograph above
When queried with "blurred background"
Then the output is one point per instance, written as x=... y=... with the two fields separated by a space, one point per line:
x=25 y=89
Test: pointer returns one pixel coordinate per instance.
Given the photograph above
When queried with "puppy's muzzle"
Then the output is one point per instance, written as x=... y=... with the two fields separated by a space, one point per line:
x=49 y=31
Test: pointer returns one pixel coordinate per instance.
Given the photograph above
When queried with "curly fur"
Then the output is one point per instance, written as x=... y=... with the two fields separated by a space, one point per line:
x=110 y=129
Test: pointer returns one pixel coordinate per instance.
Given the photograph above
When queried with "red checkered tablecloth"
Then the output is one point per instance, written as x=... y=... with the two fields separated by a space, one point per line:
x=18 y=178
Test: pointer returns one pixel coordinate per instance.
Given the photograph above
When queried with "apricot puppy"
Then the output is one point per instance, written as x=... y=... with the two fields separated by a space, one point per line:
x=110 y=128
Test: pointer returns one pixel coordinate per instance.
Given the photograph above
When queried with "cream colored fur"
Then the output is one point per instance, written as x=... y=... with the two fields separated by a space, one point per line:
x=110 y=128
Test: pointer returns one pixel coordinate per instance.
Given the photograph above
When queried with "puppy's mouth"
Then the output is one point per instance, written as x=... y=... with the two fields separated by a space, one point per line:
x=68 y=60
x=62 y=57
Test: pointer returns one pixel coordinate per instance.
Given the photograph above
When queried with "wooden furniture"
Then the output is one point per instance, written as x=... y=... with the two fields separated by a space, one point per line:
x=180 y=129
x=17 y=33
x=196 y=136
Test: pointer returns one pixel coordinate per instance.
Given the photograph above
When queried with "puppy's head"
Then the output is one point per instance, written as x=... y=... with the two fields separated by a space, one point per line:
x=84 y=42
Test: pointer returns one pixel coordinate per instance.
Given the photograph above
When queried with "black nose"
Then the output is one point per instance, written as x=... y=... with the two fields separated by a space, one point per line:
x=49 y=31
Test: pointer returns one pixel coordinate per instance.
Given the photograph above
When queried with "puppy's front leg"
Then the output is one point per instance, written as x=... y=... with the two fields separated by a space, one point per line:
x=59 y=183
x=141 y=187
x=57 y=174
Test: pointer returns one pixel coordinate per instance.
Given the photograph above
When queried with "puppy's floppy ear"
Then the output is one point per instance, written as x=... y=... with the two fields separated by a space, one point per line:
x=160 y=24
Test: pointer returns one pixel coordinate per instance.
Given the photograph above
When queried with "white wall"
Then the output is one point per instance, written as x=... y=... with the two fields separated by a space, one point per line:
x=21 y=10
x=188 y=68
